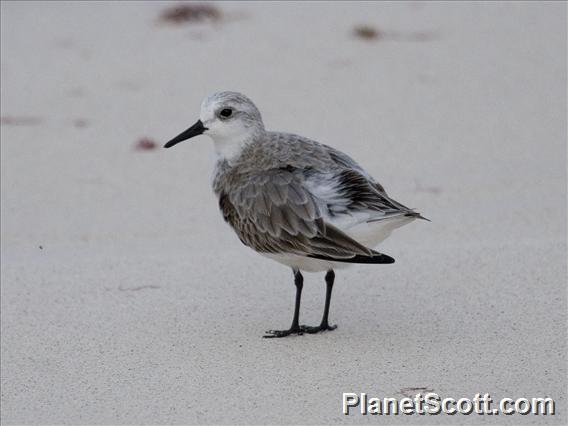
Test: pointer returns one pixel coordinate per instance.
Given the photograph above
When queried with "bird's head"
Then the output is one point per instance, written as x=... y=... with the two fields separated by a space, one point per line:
x=229 y=118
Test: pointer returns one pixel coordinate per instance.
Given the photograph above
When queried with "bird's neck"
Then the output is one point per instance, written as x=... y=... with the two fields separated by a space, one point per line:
x=231 y=148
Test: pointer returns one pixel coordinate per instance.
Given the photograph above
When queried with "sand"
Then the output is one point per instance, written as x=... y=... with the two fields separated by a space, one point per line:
x=127 y=300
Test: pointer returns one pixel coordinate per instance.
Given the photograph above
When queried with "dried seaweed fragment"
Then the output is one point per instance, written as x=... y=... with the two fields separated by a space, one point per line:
x=199 y=12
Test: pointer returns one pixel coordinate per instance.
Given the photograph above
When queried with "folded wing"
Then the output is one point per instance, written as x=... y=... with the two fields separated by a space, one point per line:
x=352 y=191
x=274 y=212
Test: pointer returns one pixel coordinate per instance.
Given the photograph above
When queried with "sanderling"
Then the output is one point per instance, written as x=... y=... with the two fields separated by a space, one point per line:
x=292 y=199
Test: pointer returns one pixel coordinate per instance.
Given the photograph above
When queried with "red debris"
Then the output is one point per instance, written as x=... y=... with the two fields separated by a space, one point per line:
x=190 y=13
x=145 y=144
x=366 y=32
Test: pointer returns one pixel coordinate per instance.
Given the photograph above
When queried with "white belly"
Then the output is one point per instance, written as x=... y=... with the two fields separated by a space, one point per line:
x=304 y=263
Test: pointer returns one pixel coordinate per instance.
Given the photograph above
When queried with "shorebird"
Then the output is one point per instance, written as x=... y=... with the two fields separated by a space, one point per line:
x=294 y=200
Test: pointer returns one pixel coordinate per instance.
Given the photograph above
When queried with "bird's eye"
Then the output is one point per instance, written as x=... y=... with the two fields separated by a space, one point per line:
x=227 y=112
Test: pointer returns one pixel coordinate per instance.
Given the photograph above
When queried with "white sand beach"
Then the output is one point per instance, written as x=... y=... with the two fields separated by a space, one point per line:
x=125 y=298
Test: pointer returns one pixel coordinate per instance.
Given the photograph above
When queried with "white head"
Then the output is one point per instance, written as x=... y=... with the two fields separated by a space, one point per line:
x=230 y=119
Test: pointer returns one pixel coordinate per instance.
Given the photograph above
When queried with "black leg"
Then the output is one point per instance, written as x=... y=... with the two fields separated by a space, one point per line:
x=329 y=279
x=295 y=327
x=299 y=283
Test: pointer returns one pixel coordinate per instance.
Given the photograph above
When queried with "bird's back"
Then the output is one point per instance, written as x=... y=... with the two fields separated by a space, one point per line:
x=283 y=190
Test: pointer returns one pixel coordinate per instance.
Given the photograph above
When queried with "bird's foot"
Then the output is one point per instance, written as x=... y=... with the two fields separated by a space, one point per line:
x=317 y=329
x=283 y=333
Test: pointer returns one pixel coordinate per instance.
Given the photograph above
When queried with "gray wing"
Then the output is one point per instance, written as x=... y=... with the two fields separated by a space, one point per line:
x=358 y=191
x=273 y=212
x=355 y=192
x=332 y=176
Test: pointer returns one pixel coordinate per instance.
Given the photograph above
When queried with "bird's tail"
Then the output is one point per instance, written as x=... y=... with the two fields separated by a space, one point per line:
x=416 y=215
x=375 y=258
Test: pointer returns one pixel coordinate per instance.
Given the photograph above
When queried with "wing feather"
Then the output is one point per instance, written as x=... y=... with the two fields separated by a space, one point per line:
x=287 y=200
x=279 y=215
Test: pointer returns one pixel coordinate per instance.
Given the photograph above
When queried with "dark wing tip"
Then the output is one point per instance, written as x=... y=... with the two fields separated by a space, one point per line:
x=375 y=258
x=417 y=216
x=382 y=258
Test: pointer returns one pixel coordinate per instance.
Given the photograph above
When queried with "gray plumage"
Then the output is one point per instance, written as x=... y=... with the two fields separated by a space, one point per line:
x=265 y=195
x=292 y=199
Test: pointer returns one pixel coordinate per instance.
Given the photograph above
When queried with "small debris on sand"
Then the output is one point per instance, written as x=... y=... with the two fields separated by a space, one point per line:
x=142 y=287
x=367 y=32
x=145 y=144
x=19 y=121
x=190 y=13
x=412 y=391
x=80 y=123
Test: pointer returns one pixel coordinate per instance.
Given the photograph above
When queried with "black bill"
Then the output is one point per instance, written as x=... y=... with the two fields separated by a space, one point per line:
x=197 y=129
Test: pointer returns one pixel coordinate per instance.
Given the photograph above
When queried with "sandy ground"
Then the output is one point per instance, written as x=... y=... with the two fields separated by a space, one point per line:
x=127 y=300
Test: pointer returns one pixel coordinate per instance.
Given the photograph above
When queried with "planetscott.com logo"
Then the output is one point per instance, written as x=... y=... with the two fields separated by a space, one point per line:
x=431 y=403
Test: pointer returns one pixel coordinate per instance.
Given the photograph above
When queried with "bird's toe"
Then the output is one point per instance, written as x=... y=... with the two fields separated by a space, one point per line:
x=322 y=327
x=282 y=333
